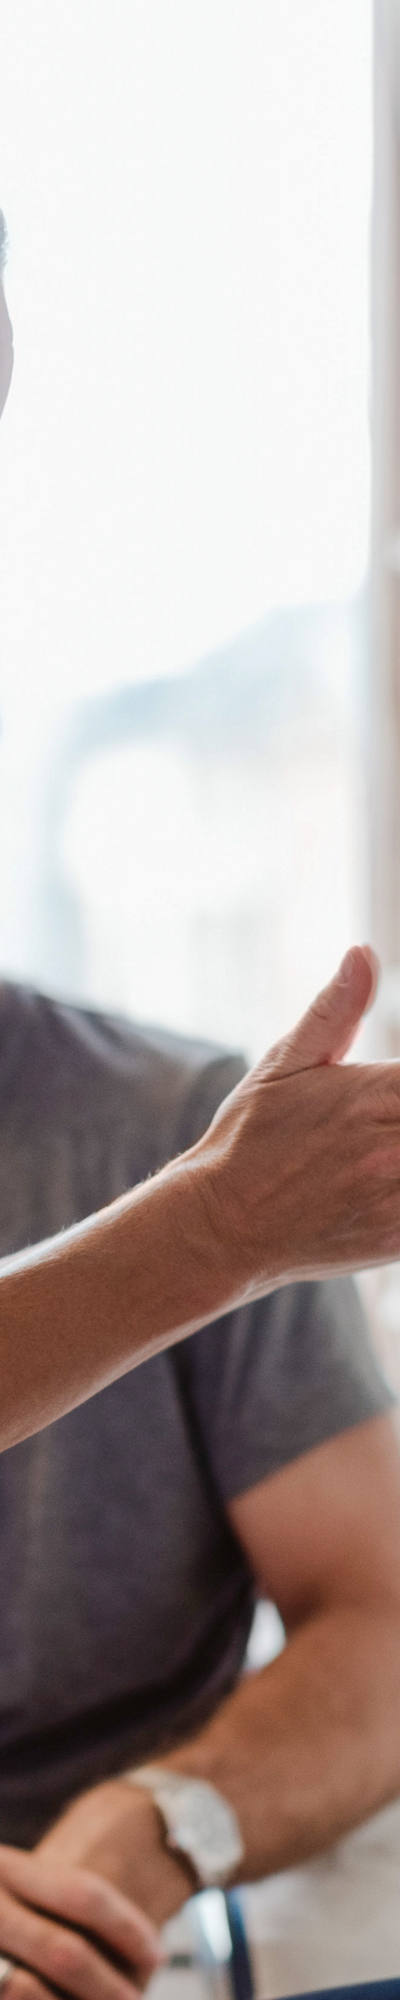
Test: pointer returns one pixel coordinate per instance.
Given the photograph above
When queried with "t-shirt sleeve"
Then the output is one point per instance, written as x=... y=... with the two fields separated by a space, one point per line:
x=273 y=1380
x=276 y=1378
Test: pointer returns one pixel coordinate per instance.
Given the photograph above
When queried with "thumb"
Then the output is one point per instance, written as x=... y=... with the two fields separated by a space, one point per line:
x=328 y=1028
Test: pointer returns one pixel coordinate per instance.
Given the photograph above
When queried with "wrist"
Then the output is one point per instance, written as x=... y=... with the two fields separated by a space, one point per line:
x=158 y=1879
x=199 y=1823
x=196 y=1253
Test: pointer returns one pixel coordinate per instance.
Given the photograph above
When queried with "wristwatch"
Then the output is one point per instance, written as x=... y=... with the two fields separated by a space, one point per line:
x=198 y=1822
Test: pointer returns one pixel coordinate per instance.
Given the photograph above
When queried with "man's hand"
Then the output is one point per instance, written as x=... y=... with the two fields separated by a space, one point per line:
x=69 y=1929
x=298 y=1176
x=115 y=1829
x=302 y=1161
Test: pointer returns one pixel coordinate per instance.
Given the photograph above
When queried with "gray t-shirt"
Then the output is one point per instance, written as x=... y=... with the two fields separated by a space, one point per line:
x=125 y=1599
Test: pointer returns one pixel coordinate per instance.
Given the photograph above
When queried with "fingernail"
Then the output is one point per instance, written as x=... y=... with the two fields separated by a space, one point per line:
x=347 y=965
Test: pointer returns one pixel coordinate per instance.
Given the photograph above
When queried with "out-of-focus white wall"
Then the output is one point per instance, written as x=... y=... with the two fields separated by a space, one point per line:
x=185 y=448
x=186 y=444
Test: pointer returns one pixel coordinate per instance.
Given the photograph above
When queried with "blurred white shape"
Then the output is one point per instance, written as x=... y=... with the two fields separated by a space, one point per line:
x=215 y=1925
x=186 y=441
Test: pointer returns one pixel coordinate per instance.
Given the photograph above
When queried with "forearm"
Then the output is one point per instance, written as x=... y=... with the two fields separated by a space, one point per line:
x=310 y=1746
x=88 y=1305
x=303 y=1751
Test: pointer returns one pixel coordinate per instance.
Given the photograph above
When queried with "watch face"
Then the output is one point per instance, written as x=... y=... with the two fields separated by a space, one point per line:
x=203 y=1825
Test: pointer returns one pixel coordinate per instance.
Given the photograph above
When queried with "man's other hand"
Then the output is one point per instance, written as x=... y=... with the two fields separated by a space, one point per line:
x=115 y=1830
x=69 y=1929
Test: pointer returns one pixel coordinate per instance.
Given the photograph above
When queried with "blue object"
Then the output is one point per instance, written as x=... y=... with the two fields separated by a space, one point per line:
x=240 y=1967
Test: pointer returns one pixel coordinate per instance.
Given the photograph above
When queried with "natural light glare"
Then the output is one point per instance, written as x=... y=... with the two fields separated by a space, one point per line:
x=186 y=440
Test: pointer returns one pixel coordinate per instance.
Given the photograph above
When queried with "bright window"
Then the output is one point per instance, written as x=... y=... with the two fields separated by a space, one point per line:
x=184 y=501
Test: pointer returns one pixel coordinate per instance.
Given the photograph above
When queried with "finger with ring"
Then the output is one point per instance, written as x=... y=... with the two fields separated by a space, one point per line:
x=6 y=1967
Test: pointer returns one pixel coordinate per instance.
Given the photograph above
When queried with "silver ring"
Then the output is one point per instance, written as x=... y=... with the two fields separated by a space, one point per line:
x=6 y=1966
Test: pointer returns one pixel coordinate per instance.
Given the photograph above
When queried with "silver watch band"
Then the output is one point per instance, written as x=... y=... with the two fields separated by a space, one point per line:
x=199 y=1822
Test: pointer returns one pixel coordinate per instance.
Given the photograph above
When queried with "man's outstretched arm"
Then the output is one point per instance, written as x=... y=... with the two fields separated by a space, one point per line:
x=297 y=1176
